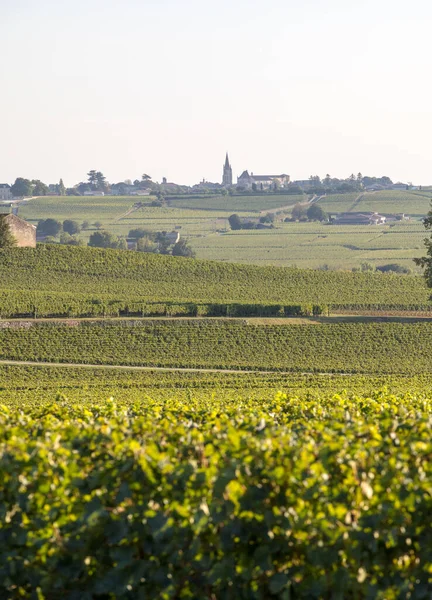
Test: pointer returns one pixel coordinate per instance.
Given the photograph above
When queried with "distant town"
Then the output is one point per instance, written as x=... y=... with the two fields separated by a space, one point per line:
x=96 y=184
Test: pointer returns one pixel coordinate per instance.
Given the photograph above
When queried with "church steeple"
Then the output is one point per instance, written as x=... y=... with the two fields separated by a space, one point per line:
x=227 y=172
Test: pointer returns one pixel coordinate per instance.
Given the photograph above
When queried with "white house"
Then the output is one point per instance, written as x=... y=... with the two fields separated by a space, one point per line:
x=5 y=192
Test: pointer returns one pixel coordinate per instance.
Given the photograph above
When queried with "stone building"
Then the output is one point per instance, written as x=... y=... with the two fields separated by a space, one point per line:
x=23 y=232
x=227 y=177
x=262 y=182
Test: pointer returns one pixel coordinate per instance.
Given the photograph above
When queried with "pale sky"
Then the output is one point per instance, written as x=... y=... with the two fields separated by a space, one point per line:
x=166 y=87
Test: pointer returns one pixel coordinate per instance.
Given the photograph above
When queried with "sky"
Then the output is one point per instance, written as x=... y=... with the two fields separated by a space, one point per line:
x=166 y=87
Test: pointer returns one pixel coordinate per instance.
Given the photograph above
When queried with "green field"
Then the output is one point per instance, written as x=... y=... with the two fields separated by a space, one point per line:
x=62 y=280
x=203 y=221
x=236 y=204
x=325 y=348
x=292 y=459
x=30 y=386
x=314 y=245
x=412 y=203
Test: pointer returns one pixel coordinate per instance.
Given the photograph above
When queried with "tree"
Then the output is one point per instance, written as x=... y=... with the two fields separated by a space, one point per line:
x=316 y=213
x=71 y=227
x=426 y=261
x=139 y=233
x=85 y=225
x=22 y=187
x=7 y=240
x=298 y=211
x=235 y=222
x=144 y=244
x=50 y=227
x=182 y=248
x=104 y=239
x=394 y=268
x=92 y=178
x=268 y=218
x=61 y=188
x=39 y=188
x=101 y=181
x=98 y=225
x=163 y=243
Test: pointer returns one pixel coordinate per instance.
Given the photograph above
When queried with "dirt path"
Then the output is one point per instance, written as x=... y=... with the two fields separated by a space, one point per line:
x=29 y=363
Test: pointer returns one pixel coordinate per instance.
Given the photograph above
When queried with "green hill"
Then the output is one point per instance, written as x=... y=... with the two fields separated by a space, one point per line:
x=73 y=280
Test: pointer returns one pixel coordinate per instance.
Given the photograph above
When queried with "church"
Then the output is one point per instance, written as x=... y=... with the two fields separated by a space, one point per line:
x=227 y=177
x=255 y=182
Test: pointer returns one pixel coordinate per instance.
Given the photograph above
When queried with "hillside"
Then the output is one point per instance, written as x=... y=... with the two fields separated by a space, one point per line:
x=66 y=274
x=203 y=222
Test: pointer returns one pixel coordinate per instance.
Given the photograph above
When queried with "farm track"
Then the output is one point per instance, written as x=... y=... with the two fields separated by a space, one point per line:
x=341 y=317
x=29 y=363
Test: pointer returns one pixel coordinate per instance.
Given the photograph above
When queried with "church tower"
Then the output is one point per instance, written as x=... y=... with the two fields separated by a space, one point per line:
x=227 y=173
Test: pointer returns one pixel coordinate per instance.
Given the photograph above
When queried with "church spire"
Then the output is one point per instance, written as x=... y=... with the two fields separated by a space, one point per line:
x=227 y=172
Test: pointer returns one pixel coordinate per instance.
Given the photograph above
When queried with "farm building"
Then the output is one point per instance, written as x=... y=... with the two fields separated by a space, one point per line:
x=23 y=232
x=356 y=218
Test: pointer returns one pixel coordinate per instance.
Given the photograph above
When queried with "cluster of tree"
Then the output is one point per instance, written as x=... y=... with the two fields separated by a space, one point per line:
x=26 y=187
x=159 y=243
x=237 y=223
x=353 y=183
x=367 y=267
x=312 y=213
x=96 y=182
x=68 y=230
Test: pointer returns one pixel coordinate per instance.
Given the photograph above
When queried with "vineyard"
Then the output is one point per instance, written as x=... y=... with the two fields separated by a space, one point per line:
x=371 y=348
x=250 y=448
x=30 y=386
x=203 y=222
x=284 y=498
x=66 y=281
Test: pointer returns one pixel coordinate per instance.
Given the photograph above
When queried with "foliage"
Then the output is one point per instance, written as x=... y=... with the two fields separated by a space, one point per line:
x=182 y=248
x=216 y=499
x=394 y=268
x=104 y=239
x=426 y=261
x=7 y=240
x=298 y=211
x=22 y=187
x=71 y=227
x=39 y=188
x=140 y=232
x=235 y=222
x=49 y=227
x=316 y=213
x=70 y=240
